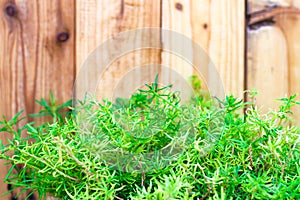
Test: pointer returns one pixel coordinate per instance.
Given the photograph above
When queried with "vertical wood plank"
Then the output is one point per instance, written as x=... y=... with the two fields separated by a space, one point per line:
x=97 y=21
x=267 y=65
x=290 y=25
x=36 y=56
x=281 y=46
x=176 y=18
x=226 y=47
x=217 y=26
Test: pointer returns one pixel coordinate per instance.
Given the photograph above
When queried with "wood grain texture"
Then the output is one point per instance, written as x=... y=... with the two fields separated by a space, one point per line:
x=285 y=60
x=290 y=25
x=33 y=59
x=267 y=65
x=257 y=5
x=217 y=26
x=96 y=22
x=178 y=68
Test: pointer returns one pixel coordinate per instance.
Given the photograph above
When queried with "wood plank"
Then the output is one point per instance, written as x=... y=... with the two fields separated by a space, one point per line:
x=267 y=65
x=257 y=5
x=177 y=70
x=290 y=25
x=96 y=22
x=36 y=56
x=226 y=47
x=216 y=27
x=284 y=60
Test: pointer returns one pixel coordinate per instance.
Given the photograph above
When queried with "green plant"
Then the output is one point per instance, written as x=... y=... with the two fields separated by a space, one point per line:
x=230 y=155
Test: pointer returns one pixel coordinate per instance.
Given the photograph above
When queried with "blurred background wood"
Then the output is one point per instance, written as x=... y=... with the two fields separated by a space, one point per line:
x=217 y=27
x=97 y=21
x=290 y=26
x=273 y=60
x=267 y=65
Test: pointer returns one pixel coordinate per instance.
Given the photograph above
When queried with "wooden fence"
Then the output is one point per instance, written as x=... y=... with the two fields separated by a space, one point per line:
x=43 y=43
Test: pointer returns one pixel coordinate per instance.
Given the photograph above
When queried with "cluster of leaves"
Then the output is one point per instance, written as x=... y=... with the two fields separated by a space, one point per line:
x=145 y=122
x=151 y=127
x=232 y=155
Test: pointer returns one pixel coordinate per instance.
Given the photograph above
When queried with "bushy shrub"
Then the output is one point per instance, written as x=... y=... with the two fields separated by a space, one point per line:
x=226 y=153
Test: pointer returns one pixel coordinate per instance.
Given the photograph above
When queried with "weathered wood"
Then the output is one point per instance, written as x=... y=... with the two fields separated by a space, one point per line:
x=216 y=27
x=267 y=65
x=96 y=21
x=269 y=13
x=257 y=5
x=176 y=17
x=281 y=46
x=36 y=56
x=290 y=25
x=226 y=47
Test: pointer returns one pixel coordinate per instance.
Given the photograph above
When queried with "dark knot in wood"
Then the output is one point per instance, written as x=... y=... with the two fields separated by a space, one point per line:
x=179 y=6
x=11 y=10
x=62 y=37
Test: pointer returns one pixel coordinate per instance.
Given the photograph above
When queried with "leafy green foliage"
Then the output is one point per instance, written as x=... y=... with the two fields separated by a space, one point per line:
x=56 y=112
x=235 y=156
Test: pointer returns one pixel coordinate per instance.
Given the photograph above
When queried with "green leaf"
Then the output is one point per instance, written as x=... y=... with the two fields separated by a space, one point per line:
x=15 y=119
x=31 y=129
x=9 y=173
x=52 y=99
x=42 y=102
x=42 y=114
x=65 y=105
x=3 y=129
